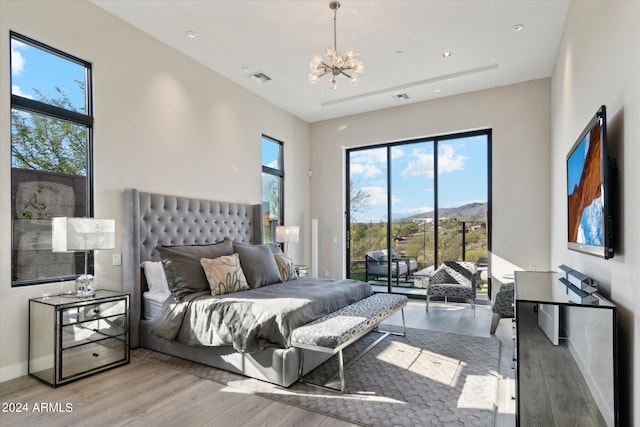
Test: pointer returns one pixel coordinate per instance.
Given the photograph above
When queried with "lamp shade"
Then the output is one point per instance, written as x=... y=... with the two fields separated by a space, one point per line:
x=82 y=234
x=287 y=234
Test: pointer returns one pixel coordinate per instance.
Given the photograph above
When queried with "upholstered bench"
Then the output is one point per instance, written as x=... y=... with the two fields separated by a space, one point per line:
x=337 y=330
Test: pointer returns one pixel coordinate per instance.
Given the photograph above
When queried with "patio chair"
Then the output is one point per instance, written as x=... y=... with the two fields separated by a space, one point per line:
x=454 y=279
x=377 y=263
x=502 y=305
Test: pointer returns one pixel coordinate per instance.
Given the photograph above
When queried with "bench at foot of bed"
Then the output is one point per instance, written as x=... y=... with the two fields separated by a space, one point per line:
x=337 y=330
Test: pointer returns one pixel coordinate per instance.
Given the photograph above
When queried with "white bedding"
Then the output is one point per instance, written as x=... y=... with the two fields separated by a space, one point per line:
x=153 y=302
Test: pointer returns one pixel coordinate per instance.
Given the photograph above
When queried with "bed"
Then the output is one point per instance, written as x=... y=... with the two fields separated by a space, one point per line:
x=154 y=221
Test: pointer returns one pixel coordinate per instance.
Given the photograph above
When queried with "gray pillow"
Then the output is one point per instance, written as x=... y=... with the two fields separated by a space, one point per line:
x=258 y=264
x=183 y=269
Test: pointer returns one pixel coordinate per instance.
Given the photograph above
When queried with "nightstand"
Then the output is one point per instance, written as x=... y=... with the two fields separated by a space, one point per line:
x=72 y=337
x=302 y=270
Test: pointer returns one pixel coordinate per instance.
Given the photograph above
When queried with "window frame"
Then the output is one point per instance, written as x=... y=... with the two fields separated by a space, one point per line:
x=86 y=120
x=279 y=174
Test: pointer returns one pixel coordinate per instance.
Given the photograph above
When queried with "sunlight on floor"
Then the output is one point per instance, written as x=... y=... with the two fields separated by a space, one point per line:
x=473 y=395
x=430 y=365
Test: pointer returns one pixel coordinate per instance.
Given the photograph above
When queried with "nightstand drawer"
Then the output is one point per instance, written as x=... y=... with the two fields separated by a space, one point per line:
x=93 y=311
x=88 y=357
x=94 y=330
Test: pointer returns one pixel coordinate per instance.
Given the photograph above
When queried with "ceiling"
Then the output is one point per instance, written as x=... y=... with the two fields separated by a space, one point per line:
x=401 y=43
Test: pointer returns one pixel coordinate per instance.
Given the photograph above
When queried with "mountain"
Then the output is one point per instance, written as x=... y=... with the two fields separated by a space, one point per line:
x=468 y=211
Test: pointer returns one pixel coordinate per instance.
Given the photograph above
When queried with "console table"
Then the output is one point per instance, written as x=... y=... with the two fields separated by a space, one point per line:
x=566 y=353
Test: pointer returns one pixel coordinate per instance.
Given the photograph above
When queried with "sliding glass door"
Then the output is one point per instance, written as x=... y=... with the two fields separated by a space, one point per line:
x=409 y=210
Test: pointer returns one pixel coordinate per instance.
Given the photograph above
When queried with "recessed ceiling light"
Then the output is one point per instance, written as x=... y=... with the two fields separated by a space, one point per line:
x=191 y=34
x=399 y=52
x=245 y=69
x=447 y=54
x=436 y=90
x=517 y=27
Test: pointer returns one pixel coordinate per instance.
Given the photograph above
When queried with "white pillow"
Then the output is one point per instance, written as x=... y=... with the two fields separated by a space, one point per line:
x=224 y=274
x=156 y=279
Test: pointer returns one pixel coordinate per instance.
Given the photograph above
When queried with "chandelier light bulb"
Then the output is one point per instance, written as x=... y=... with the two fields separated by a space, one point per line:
x=329 y=53
x=349 y=54
x=334 y=63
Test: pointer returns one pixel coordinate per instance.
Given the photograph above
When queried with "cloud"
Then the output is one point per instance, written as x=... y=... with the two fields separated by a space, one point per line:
x=422 y=165
x=17 y=60
x=15 y=90
x=375 y=155
x=449 y=161
x=368 y=170
x=378 y=196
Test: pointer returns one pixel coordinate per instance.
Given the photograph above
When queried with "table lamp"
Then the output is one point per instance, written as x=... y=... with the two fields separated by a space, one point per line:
x=83 y=235
x=287 y=234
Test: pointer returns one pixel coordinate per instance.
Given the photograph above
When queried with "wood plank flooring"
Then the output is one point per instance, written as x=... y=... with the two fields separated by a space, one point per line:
x=561 y=391
x=148 y=394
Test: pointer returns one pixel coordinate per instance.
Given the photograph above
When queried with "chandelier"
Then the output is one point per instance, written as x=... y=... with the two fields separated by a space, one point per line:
x=336 y=63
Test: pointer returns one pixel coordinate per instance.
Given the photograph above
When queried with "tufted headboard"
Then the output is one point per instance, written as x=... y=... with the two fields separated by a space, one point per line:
x=155 y=219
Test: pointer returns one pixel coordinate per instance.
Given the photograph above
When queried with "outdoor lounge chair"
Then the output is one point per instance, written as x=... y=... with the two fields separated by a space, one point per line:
x=377 y=265
x=454 y=279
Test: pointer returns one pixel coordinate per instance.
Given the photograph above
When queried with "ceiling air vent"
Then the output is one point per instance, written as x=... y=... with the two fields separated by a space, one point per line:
x=400 y=96
x=261 y=77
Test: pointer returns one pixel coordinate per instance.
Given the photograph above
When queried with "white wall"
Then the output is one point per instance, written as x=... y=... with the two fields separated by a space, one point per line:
x=162 y=124
x=599 y=63
x=520 y=120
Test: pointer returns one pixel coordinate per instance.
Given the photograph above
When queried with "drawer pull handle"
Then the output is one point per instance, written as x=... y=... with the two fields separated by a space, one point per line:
x=95 y=355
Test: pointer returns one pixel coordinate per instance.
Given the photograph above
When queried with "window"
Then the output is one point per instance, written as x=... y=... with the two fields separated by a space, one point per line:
x=272 y=188
x=51 y=157
x=426 y=200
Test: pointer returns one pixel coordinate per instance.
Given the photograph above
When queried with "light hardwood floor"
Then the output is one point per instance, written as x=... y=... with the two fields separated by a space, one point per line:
x=147 y=394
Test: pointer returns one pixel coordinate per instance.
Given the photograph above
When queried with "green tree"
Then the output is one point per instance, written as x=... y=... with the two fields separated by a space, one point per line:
x=43 y=143
x=359 y=200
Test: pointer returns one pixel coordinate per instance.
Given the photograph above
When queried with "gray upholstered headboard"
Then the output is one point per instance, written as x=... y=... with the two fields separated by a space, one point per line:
x=155 y=219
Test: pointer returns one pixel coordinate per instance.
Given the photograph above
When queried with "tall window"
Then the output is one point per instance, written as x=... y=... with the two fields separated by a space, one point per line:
x=423 y=201
x=51 y=156
x=272 y=187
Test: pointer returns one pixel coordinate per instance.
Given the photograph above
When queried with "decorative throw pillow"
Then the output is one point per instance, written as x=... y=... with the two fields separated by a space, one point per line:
x=156 y=279
x=258 y=264
x=224 y=274
x=182 y=265
x=286 y=267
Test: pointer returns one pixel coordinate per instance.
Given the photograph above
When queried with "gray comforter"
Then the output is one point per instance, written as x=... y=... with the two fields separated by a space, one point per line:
x=255 y=319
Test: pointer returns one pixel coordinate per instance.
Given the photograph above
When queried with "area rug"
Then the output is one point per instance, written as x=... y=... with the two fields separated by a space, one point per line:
x=426 y=378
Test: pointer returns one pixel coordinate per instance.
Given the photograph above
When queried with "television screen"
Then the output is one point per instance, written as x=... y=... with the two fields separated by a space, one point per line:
x=587 y=190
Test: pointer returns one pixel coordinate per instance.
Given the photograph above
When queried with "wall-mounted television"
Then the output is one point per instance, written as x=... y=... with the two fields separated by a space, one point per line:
x=590 y=227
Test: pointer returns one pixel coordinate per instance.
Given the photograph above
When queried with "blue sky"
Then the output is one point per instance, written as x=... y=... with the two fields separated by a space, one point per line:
x=462 y=165
x=33 y=68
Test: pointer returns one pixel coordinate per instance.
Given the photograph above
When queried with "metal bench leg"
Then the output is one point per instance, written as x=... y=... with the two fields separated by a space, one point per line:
x=341 y=367
x=301 y=365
